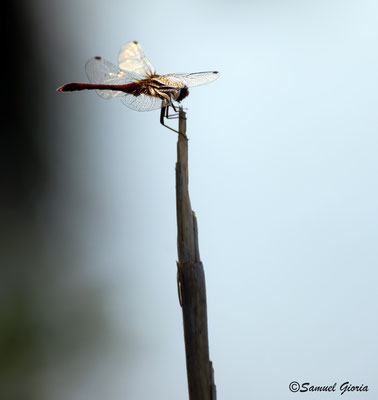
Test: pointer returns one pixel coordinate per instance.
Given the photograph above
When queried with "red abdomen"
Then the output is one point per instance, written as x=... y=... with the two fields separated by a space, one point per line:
x=71 y=87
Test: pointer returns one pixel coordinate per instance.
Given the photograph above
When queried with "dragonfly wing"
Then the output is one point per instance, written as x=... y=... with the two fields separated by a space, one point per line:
x=195 y=79
x=142 y=102
x=102 y=71
x=131 y=58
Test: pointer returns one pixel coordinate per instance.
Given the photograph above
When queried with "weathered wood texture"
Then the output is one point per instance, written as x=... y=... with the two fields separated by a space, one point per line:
x=191 y=282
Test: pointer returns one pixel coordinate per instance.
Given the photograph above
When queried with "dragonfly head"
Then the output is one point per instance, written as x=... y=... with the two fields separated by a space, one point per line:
x=184 y=92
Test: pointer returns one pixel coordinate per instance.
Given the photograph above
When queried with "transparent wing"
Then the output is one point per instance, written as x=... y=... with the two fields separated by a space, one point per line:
x=131 y=58
x=190 y=80
x=102 y=71
x=143 y=102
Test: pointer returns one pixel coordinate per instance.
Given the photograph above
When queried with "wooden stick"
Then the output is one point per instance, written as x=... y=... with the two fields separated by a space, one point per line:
x=191 y=282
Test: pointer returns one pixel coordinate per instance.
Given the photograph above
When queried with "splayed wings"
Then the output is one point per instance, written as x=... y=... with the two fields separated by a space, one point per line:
x=131 y=58
x=191 y=80
x=102 y=71
x=143 y=102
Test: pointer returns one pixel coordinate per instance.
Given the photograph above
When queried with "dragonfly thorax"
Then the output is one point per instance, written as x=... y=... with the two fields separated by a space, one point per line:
x=157 y=87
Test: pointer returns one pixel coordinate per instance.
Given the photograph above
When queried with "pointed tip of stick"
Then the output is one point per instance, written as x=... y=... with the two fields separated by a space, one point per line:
x=182 y=124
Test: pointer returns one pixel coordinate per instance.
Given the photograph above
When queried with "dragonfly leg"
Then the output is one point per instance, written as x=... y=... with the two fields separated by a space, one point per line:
x=174 y=108
x=176 y=111
x=172 y=116
x=164 y=114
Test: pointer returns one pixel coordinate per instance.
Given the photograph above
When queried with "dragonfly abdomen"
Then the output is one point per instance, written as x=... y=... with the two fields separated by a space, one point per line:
x=71 y=87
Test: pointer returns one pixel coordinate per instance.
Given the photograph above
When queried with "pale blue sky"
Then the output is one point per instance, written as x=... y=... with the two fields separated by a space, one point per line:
x=283 y=168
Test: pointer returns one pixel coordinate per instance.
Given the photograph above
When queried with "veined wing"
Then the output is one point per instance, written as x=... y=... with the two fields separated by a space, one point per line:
x=131 y=58
x=190 y=80
x=102 y=71
x=143 y=102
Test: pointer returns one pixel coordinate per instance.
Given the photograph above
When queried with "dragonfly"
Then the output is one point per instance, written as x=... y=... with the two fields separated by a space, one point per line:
x=135 y=80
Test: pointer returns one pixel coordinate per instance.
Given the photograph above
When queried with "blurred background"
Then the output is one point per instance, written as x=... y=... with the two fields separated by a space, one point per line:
x=283 y=169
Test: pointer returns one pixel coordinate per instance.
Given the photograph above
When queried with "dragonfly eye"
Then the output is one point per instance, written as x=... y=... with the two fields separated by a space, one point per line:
x=184 y=92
